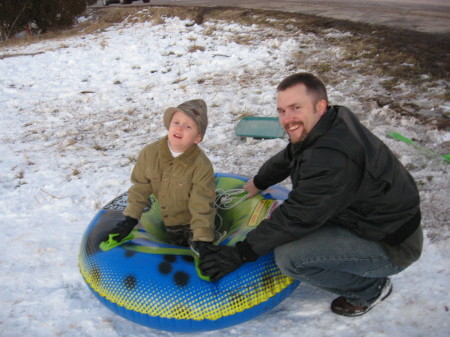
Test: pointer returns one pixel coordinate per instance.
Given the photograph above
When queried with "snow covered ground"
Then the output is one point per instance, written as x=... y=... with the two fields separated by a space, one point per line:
x=76 y=111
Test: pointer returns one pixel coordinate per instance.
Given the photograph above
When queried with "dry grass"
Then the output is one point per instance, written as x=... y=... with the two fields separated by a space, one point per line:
x=195 y=48
x=401 y=53
x=401 y=56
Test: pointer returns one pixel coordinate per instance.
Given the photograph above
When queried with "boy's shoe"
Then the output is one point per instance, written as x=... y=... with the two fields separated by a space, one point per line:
x=342 y=307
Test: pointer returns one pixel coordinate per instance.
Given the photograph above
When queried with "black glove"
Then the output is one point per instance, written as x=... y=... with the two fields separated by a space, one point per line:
x=179 y=235
x=123 y=228
x=218 y=261
x=200 y=247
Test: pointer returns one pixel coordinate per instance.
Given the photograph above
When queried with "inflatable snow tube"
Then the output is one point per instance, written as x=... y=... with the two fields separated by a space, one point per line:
x=153 y=283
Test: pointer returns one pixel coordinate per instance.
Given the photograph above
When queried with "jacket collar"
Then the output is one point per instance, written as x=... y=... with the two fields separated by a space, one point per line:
x=186 y=158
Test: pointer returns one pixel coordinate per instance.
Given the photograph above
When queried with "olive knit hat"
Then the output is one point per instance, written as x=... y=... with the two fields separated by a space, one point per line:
x=196 y=109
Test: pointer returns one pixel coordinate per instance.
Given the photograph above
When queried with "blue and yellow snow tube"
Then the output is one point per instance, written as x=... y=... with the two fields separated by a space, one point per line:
x=157 y=285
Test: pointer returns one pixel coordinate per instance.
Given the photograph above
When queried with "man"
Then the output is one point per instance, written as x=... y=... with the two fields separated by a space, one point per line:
x=352 y=218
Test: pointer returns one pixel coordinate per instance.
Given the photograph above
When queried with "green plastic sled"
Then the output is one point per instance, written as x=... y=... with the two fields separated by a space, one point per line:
x=259 y=128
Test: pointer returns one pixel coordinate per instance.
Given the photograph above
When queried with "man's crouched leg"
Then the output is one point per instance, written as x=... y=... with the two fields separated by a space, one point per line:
x=335 y=259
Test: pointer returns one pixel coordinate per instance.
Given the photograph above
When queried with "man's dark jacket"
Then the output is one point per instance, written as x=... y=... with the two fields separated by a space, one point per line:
x=342 y=174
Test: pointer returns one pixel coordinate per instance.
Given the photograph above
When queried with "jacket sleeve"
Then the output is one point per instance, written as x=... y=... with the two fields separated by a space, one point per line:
x=141 y=188
x=201 y=203
x=274 y=170
x=326 y=183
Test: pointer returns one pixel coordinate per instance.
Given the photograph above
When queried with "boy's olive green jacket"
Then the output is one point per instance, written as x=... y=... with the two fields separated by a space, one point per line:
x=184 y=187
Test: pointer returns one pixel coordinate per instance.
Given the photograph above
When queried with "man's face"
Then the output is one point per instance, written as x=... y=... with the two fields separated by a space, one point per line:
x=298 y=112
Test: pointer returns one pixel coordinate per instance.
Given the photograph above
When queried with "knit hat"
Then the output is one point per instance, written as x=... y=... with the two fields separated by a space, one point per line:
x=196 y=109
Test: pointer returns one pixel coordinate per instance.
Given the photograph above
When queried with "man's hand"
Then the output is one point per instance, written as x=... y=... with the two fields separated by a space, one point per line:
x=218 y=261
x=200 y=246
x=123 y=228
x=251 y=189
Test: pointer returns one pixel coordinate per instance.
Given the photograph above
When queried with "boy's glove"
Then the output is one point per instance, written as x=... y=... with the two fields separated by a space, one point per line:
x=218 y=261
x=123 y=228
x=179 y=235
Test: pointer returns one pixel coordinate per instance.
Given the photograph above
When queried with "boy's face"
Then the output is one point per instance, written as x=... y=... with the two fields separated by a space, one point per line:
x=183 y=132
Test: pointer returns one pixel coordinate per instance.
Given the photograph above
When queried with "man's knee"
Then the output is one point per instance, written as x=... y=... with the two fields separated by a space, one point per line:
x=290 y=264
x=282 y=259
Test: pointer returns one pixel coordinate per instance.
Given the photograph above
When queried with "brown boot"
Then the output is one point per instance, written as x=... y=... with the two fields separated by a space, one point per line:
x=342 y=307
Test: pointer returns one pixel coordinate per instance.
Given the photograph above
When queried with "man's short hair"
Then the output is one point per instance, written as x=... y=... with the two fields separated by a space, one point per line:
x=312 y=83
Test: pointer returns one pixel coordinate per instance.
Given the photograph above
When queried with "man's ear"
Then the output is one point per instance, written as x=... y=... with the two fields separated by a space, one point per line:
x=321 y=107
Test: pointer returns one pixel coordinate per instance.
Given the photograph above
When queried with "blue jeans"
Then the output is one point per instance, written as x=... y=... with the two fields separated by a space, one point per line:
x=335 y=259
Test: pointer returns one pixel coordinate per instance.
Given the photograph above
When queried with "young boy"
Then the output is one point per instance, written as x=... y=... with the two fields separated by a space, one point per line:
x=181 y=177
